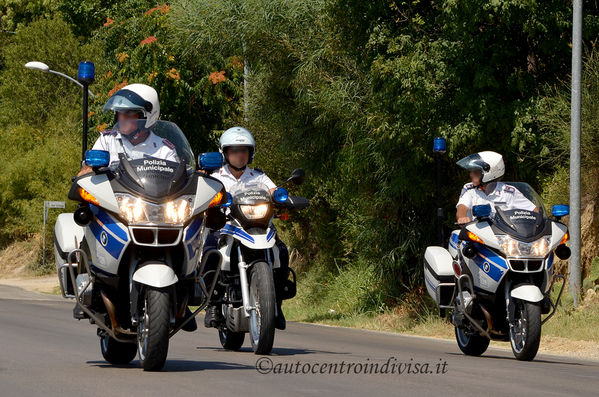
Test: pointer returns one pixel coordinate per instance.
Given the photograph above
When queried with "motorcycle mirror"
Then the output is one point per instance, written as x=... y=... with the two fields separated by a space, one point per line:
x=297 y=176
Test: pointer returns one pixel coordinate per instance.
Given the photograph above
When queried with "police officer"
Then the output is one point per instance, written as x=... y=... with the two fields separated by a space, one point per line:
x=238 y=147
x=486 y=169
x=136 y=110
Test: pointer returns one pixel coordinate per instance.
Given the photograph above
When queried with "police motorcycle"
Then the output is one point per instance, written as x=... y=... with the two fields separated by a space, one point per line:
x=130 y=253
x=249 y=259
x=497 y=274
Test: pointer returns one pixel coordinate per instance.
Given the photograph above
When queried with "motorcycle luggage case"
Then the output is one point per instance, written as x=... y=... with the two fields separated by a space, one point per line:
x=439 y=276
x=67 y=237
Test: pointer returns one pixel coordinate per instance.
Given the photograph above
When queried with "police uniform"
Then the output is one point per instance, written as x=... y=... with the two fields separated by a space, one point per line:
x=249 y=175
x=504 y=196
x=152 y=146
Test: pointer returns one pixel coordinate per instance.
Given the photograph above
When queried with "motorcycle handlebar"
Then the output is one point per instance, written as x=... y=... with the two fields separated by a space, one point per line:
x=295 y=203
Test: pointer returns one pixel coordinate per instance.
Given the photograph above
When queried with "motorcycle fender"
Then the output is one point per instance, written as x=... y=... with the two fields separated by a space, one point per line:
x=527 y=292
x=156 y=275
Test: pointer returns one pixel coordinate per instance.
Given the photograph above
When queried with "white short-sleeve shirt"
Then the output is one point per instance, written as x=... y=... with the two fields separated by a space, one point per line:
x=249 y=176
x=153 y=146
x=504 y=196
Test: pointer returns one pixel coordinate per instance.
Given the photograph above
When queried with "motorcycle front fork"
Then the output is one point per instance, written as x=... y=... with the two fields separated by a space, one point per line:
x=245 y=286
x=243 y=280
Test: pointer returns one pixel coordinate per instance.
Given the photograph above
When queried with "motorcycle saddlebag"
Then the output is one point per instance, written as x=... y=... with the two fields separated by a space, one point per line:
x=438 y=275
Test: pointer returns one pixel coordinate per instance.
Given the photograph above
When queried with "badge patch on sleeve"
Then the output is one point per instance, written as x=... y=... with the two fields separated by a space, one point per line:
x=168 y=143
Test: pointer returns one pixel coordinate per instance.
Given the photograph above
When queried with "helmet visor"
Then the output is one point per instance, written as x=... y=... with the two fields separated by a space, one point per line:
x=474 y=162
x=124 y=100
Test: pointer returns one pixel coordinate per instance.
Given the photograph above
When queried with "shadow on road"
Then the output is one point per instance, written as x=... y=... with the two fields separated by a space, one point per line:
x=491 y=356
x=178 y=365
x=277 y=351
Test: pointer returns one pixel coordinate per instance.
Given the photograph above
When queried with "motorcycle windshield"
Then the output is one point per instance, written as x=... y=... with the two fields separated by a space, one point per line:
x=250 y=193
x=251 y=205
x=163 y=141
x=522 y=223
x=154 y=162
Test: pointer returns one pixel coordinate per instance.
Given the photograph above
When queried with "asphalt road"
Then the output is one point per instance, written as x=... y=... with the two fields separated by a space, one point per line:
x=45 y=352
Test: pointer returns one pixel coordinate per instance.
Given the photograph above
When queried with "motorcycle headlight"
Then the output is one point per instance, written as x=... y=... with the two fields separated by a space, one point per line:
x=253 y=212
x=177 y=211
x=511 y=247
x=137 y=211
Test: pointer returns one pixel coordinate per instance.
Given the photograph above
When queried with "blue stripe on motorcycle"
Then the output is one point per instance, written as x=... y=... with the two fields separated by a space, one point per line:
x=454 y=238
x=550 y=261
x=494 y=271
x=429 y=283
x=193 y=228
x=491 y=256
x=454 y=241
x=109 y=223
x=270 y=234
x=235 y=231
x=113 y=246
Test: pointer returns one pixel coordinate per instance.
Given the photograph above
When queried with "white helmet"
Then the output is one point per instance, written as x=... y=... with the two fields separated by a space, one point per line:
x=490 y=165
x=140 y=97
x=237 y=136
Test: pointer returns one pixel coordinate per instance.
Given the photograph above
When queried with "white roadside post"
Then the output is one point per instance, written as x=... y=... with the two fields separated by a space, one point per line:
x=48 y=204
x=575 y=127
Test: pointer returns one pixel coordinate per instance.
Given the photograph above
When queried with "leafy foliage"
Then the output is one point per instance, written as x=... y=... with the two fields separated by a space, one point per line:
x=352 y=91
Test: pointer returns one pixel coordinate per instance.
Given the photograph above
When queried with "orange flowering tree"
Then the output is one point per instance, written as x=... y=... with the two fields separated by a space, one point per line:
x=199 y=95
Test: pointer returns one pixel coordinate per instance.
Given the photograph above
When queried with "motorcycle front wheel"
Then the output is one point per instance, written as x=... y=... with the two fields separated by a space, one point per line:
x=525 y=332
x=153 y=329
x=262 y=314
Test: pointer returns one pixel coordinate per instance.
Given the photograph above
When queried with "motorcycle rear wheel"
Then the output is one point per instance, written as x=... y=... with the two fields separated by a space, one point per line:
x=116 y=352
x=231 y=340
x=471 y=345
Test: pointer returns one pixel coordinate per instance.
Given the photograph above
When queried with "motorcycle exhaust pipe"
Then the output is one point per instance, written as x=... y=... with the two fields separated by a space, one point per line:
x=112 y=315
x=489 y=320
x=110 y=309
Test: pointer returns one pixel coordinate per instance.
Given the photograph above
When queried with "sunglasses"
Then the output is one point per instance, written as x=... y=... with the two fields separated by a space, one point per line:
x=131 y=113
x=241 y=149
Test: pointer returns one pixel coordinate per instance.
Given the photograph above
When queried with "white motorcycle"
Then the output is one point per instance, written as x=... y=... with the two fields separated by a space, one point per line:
x=249 y=258
x=129 y=254
x=497 y=275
